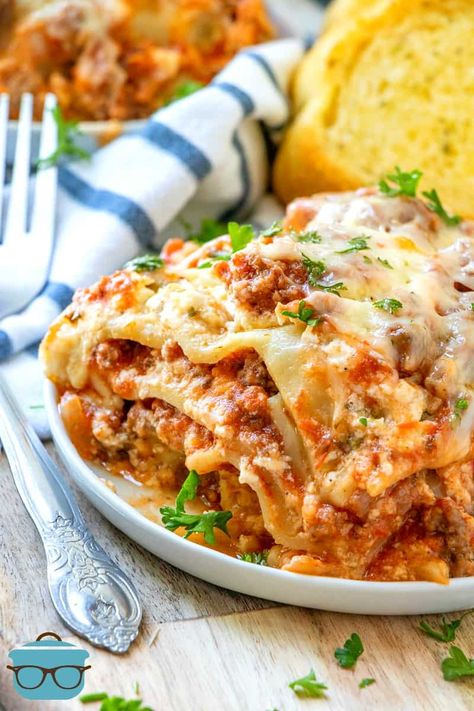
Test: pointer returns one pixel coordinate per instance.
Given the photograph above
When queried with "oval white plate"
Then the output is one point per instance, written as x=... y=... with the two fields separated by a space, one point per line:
x=335 y=594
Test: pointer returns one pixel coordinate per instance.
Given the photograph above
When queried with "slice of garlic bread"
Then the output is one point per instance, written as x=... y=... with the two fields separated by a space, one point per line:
x=393 y=86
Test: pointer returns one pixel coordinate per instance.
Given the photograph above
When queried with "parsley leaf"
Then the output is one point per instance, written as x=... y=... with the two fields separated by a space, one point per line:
x=186 y=88
x=315 y=269
x=366 y=682
x=448 y=630
x=384 y=263
x=68 y=131
x=363 y=421
x=390 y=305
x=366 y=259
x=240 y=235
x=435 y=206
x=145 y=263
x=256 y=558
x=456 y=665
x=204 y=523
x=217 y=257
x=334 y=288
x=208 y=230
x=308 y=686
x=402 y=183
x=356 y=244
x=311 y=237
x=305 y=314
x=273 y=230
x=459 y=406
x=114 y=703
x=348 y=655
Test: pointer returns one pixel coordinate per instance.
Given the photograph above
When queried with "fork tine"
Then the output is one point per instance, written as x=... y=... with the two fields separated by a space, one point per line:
x=44 y=205
x=17 y=209
x=4 y=102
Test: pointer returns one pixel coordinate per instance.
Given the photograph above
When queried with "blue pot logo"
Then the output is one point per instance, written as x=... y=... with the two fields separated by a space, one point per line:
x=48 y=669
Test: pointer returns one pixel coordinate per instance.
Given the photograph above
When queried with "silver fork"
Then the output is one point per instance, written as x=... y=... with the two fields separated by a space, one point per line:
x=25 y=251
x=89 y=591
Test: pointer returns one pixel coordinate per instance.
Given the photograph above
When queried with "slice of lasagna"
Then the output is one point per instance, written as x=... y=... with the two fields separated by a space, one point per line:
x=319 y=378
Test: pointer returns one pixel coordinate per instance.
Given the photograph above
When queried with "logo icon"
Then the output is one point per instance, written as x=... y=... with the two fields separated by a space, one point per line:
x=48 y=669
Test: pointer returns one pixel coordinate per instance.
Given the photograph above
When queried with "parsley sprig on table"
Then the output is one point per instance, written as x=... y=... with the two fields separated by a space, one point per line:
x=447 y=632
x=366 y=682
x=68 y=131
x=114 y=703
x=457 y=665
x=145 y=263
x=348 y=655
x=356 y=244
x=308 y=686
x=204 y=523
x=400 y=183
x=305 y=314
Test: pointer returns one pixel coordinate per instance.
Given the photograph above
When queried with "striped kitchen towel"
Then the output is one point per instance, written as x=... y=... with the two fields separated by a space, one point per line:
x=205 y=156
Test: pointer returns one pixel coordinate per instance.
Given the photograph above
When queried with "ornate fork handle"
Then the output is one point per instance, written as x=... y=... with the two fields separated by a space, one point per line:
x=89 y=591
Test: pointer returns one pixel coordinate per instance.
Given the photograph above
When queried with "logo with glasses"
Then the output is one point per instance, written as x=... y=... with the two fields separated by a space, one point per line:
x=48 y=668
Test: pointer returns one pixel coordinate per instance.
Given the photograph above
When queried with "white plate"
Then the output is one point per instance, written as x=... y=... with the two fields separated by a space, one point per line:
x=335 y=594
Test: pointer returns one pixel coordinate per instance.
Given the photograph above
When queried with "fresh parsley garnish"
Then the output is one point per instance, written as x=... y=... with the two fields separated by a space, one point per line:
x=390 y=305
x=472 y=307
x=400 y=183
x=308 y=686
x=447 y=632
x=385 y=263
x=208 y=230
x=204 y=523
x=366 y=682
x=240 y=235
x=366 y=259
x=260 y=558
x=436 y=206
x=114 y=703
x=145 y=263
x=460 y=405
x=334 y=288
x=217 y=257
x=187 y=88
x=68 y=131
x=363 y=421
x=348 y=655
x=305 y=314
x=273 y=230
x=315 y=269
x=310 y=237
x=356 y=244
x=457 y=665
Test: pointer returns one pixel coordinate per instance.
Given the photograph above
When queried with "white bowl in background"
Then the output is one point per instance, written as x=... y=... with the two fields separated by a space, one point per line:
x=334 y=594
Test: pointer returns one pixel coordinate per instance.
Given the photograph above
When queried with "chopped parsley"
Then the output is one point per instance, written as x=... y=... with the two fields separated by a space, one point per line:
x=145 y=263
x=204 y=523
x=363 y=421
x=472 y=307
x=309 y=237
x=459 y=406
x=389 y=305
x=308 y=686
x=260 y=558
x=356 y=244
x=315 y=269
x=400 y=183
x=348 y=655
x=436 y=206
x=183 y=90
x=208 y=230
x=457 y=665
x=240 y=235
x=366 y=259
x=273 y=230
x=217 y=257
x=447 y=631
x=366 y=682
x=114 y=703
x=334 y=288
x=68 y=132
x=305 y=314
x=385 y=263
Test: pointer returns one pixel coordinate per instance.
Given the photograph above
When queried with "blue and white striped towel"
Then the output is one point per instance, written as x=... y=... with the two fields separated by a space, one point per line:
x=205 y=156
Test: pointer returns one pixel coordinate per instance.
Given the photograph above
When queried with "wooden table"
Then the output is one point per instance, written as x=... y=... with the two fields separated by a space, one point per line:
x=202 y=648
